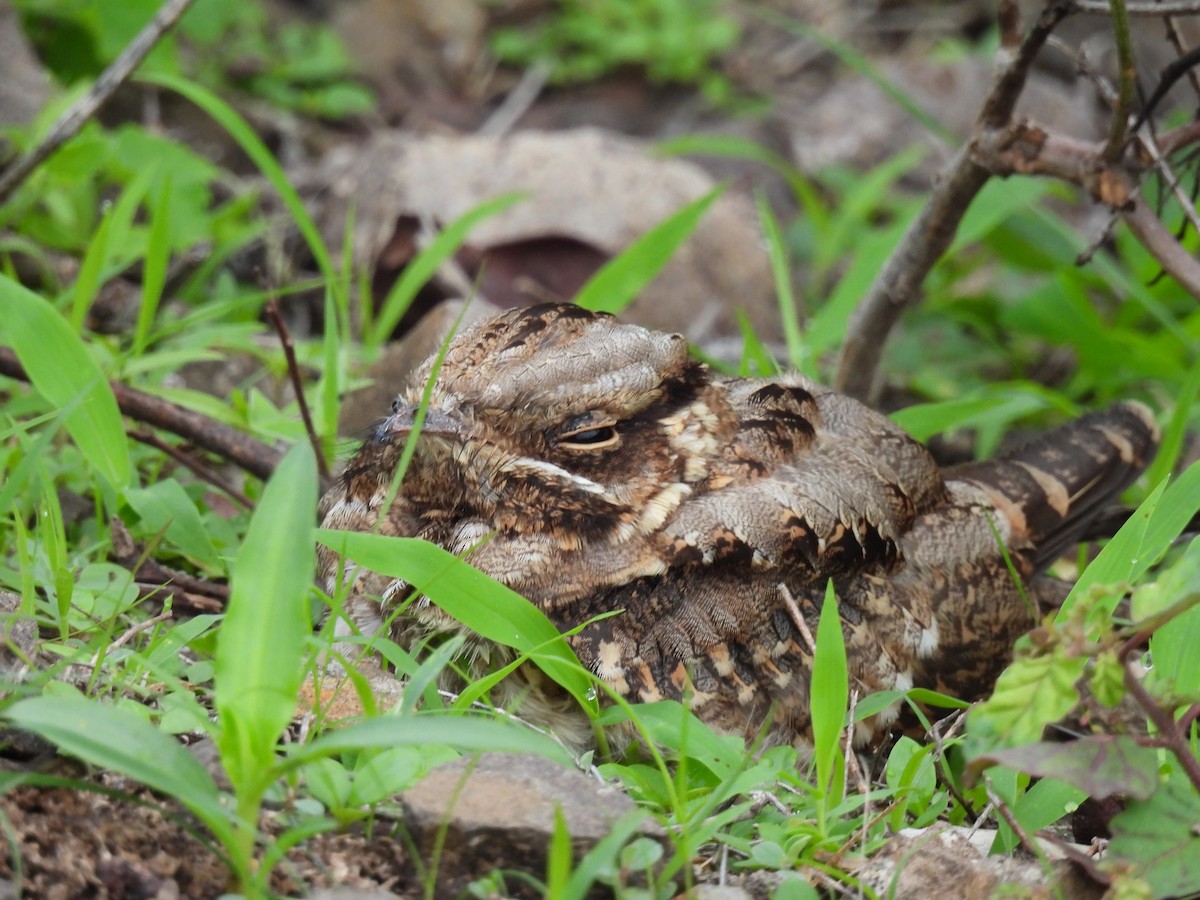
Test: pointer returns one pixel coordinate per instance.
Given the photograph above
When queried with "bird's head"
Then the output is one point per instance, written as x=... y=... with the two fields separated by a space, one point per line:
x=562 y=421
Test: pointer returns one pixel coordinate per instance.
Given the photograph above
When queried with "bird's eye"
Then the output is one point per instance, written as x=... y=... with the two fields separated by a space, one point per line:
x=587 y=435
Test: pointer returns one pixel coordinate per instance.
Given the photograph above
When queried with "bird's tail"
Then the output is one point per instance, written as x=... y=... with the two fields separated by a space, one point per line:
x=1052 y=489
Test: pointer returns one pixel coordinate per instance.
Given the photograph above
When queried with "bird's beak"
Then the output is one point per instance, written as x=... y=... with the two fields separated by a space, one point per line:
x=400 y=424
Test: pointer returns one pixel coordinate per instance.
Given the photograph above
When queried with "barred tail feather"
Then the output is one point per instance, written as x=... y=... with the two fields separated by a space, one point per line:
x=1053 y=488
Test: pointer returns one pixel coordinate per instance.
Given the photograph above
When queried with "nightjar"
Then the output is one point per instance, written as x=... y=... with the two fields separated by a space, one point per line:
x=609 y=470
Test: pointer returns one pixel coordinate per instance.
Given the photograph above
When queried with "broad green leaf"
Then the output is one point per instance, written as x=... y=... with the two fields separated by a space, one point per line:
x=487 y=607
x=996 y=202
x=621 y=278
x=1099 y=765
x=795 y=887
x=910 y=776
x=602 y=859
x=378 y=776
x=62 y=371
x=166 y=505
x=427 y=262
x=671 y=724
x=1157 y=838
x=470 y=733
x=329 y=782
x=260 y=647
x=881 y=700
x=1143 y=539
x=1028 y=694
x=830 y=693
x=1173 y=645
x=1041 y=806
x=121 y=741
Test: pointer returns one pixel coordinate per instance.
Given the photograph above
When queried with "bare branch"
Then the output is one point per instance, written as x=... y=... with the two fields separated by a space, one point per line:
x=898 y=284
x=1126 y=82
x=1168 y=729
x=90 y=103
x=1175 y=260
x=1168 y=175
x=1176 y=40
x=289 y=352
x=1166 y=8
x=203 y=472
x=518 y=101
x=242 y=450
x=1171 y=141
x=1012 y=73
x=1029 y=149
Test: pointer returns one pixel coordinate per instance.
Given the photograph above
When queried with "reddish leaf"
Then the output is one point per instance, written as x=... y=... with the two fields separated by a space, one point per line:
x=1103 y=765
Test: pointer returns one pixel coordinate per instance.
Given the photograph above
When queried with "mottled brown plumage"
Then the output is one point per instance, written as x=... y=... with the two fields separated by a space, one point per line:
x=613 y=472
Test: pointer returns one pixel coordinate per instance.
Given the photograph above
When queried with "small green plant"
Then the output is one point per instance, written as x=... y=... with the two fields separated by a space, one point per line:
x=126 y=203
x=221 y=43
x=1152 y=850
x=673 y=41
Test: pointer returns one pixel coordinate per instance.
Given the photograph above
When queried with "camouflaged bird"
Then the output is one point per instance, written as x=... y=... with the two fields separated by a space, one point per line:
x=608 y=470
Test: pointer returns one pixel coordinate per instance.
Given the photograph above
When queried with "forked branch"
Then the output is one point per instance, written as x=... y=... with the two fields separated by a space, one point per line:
x=1001 y=146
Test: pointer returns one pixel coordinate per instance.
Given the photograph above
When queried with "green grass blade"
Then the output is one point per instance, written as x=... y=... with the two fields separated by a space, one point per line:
x=777 y=251
x=252 y=145
x=112 y=233
x=558 y=861
x=1142 y=540
x=427 y=262
x=87 y=282
x=62 y=371
x=470 y=733
x=733 y=147
x=260 y=647
x=154 y=271
x=621 y=278
x=862 y=64
x=829 y=698
x=994 y=405
x=1175 y=431
x=487 y=607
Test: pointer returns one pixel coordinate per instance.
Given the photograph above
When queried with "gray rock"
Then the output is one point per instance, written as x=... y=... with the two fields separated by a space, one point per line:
x=499 y=813
x=940 y=862
x=18 y=635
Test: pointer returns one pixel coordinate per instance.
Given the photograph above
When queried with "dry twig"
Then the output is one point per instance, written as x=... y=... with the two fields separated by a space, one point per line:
x=927 y=238
x=289 y=352
x=1172 y=735
x=203 y=472
x=90 y=103
x=247 y=453
x=1001 y=146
